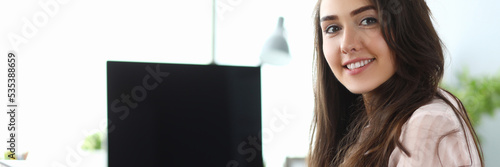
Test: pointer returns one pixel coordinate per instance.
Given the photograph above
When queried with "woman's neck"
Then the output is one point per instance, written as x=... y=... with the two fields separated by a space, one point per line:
x=367 y=102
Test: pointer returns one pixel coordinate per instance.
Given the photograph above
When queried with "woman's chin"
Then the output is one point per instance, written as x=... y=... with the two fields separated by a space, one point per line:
x=359 y=90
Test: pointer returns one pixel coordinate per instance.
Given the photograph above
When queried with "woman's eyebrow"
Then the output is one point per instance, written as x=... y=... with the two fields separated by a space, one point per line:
x=362 y=9
x=353 y=13
x=329 y=17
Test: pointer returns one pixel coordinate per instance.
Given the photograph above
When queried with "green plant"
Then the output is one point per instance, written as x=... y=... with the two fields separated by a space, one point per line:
x=479 y=94
x=93 y=142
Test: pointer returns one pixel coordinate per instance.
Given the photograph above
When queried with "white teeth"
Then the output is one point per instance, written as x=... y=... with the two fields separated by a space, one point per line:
x=358 y=64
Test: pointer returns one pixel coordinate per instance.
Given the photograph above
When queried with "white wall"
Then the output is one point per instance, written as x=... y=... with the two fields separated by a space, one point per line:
x=62 y=64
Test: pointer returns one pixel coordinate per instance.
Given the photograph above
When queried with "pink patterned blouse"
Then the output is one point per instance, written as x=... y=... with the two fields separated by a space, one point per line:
x=434 y=136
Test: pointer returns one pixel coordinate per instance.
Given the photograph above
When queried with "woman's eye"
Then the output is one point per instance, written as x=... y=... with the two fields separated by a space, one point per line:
x=332 y=29
x=368 y=21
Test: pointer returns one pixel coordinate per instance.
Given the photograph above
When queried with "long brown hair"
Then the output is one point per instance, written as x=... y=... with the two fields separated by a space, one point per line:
x=339 y=115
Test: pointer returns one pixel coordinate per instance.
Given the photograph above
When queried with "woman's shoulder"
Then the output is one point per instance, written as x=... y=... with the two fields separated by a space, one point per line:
x=436 y=115
x=435 y=136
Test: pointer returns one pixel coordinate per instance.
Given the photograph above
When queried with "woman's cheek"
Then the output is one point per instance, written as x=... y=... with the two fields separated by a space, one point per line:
x=331 y=56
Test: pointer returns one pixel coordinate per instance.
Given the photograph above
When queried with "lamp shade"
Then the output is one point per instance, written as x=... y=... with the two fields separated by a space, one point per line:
x=275 y=50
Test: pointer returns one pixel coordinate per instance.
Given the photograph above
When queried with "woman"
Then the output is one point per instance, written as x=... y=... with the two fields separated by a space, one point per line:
x=379 y=63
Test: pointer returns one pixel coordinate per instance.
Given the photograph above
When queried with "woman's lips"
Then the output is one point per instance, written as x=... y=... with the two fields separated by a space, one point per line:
x=356 y=67
x=358 y=64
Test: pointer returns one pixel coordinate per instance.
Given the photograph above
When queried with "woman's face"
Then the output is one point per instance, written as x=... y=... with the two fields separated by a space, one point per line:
x=353 y=44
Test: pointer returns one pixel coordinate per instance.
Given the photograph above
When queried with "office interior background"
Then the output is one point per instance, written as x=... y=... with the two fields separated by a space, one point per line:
x=63 y=46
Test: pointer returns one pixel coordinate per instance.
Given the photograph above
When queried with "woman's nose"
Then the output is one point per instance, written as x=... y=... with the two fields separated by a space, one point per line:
x=350 y=41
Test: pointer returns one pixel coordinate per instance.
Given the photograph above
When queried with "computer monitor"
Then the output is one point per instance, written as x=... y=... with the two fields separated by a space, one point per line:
x=183 y=115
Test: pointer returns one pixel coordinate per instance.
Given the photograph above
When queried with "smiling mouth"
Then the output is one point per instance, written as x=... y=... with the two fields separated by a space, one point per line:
x=358 y=64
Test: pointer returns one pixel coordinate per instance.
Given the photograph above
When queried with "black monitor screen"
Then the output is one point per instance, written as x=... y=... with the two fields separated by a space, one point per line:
x=183 y=115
